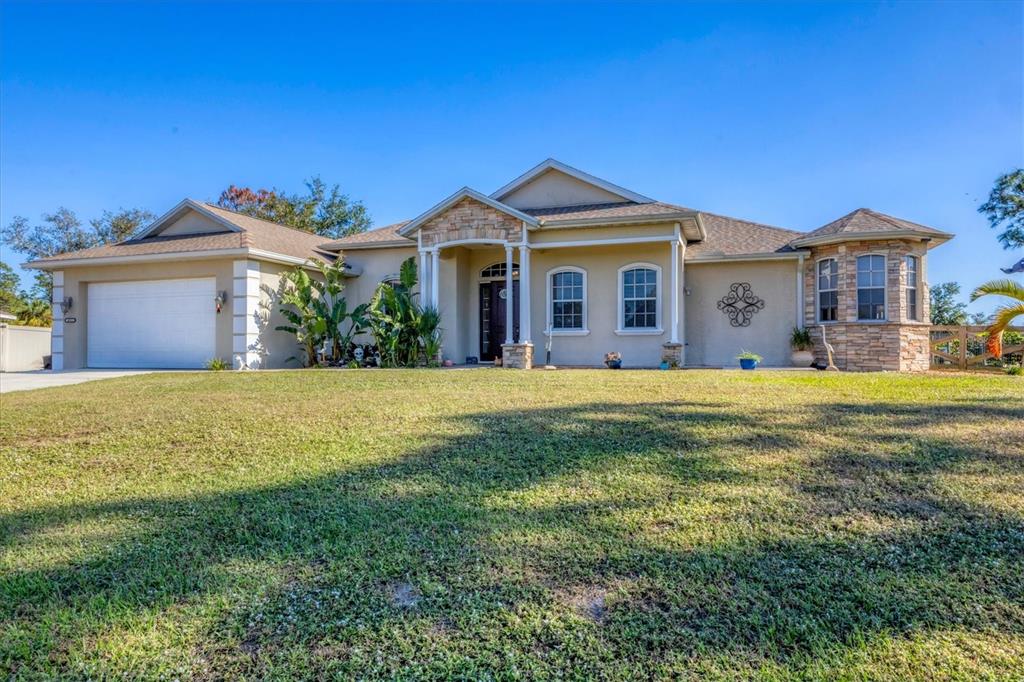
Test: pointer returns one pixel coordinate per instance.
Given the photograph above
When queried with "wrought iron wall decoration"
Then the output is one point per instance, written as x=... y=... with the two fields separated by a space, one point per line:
x=740 y=304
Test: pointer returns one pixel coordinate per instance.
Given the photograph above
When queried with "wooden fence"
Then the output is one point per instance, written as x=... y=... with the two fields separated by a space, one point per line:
x=963 y=346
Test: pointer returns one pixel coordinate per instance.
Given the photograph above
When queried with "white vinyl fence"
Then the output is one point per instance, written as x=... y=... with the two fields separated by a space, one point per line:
x=23 y=348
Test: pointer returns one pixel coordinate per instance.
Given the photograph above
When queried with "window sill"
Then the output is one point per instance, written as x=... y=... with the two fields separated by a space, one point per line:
x=568 y=332
x=639 y=332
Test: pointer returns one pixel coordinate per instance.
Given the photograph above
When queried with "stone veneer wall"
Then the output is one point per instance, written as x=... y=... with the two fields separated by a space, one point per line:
x=897 y=344
x=470 y=219
x=517 y=355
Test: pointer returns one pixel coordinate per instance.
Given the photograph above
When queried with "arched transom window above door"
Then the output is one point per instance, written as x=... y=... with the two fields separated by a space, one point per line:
x=499 y=271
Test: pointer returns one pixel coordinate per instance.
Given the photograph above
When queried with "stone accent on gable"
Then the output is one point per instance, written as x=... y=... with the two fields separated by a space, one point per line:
x=897 y=344
x=471 y=219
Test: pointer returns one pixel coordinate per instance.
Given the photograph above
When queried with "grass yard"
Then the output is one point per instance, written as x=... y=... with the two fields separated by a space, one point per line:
x=498 y=524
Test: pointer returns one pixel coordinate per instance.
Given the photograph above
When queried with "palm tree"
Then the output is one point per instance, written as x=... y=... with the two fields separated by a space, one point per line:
x=1005 y=314
x=33 y=312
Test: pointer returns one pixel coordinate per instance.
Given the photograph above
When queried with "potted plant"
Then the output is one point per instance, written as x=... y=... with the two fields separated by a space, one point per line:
x=748 y=360
x=613 y=360
x=803 y=347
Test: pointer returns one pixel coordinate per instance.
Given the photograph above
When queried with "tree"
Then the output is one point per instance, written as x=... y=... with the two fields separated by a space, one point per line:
x=62 y=231
x=324 y=211
x=1005 y=314
x=8 y=288
x=34 y=312
x=118 y=226
x=945 y=308
x=1005 y=207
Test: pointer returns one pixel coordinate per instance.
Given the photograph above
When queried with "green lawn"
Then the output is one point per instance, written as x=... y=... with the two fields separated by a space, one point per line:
x=501 y=524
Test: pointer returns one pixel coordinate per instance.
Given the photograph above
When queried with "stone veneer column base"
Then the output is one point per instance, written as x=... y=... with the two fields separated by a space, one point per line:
x=517 y=355
x=672 y=353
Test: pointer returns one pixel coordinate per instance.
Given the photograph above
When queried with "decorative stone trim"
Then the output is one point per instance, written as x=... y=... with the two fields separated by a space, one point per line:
x=672 y=353
x=245 y=343
x=517 y=355
x=470 y=219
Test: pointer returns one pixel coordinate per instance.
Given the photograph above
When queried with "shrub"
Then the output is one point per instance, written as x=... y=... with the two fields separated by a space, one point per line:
x=217 y=364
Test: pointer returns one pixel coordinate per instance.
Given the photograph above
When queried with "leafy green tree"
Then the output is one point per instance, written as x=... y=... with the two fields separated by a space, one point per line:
x=117 y=226
x=8 y=288
x=1005 y=207
x=322 y=210
x=946 y=309
x=34 y=312
x=62 y=231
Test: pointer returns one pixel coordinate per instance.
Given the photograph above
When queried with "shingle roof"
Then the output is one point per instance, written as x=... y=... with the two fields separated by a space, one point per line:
x=734 y=237
x=866 y=221
x=626 y=209
x=253 y=233
x=381 y=235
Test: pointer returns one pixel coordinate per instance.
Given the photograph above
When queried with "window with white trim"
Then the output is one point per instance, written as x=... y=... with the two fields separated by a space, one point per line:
x=568 y=300
x=638 y=289
x=828 y=290
x=871 y=287
x=499 y=271
x=912 y=287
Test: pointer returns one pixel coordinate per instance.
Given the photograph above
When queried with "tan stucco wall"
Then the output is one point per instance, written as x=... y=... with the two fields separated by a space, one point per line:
x=278 y=346
x=77 y=280
x=193 y=222
x=555 y=188
x=602 y=264
x=710 y=338
x=572 y=234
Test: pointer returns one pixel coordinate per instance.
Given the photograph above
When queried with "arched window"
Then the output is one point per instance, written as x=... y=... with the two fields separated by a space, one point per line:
x=639 y=299
x=567 y=300
x=498 y=270
x=828 y=290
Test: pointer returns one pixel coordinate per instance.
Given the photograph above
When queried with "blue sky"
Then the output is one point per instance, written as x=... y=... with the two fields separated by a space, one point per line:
x=790 y=114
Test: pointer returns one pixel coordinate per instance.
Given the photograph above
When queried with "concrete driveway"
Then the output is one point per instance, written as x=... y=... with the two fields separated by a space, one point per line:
x=44 y=378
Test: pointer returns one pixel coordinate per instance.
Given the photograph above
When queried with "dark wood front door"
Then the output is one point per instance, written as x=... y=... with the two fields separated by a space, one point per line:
x=492 y=317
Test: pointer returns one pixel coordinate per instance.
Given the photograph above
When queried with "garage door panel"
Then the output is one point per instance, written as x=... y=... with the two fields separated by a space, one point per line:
x=155 y=323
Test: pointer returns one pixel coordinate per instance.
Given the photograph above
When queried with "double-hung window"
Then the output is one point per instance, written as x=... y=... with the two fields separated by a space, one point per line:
x=639 y=295
x=567 y=310
x=828 y=290
x=871 y=287
x=912 y=288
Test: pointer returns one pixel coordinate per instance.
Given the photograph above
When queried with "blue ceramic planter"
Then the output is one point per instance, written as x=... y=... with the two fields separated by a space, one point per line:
x=748 y=363
x=613 y=364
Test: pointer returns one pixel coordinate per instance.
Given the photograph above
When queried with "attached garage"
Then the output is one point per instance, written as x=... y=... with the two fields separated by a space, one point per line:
x=168 y=323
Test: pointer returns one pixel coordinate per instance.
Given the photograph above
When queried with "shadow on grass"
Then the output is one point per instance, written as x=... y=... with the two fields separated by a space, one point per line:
x=457 y=547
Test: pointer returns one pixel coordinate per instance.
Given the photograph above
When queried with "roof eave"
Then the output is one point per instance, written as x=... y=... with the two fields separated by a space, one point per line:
x=391 y=244
x=821 y=240
x=466 y=192
x=732 y=258
x=255 y=254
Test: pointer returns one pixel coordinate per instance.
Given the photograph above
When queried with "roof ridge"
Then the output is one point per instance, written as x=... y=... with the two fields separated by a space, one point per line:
x=744 y=220
x=264 y=220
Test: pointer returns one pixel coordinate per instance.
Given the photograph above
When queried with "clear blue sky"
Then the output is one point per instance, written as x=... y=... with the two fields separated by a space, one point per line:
x=790 y=115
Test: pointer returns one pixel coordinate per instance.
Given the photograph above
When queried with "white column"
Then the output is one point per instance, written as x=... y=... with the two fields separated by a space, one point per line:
x=424 y=295
x=435 y=262
x=524 y=294
x=674 y=292
x=800 y=291
x=57 y=331
x=509 y=302
x=245 y=300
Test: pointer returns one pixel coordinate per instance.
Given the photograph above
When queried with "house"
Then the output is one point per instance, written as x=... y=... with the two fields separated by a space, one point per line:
x=554 y=254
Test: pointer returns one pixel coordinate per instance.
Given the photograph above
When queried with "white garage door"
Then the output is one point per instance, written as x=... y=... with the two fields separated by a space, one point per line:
x=157 y=323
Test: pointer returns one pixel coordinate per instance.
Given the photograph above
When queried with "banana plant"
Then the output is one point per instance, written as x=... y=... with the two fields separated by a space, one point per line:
x=316 y=311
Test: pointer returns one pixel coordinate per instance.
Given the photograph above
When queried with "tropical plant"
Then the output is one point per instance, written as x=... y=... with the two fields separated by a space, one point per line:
x=747 y=355
x=406 y=333
x=1005 y=314
x=217 y=364
x=800 y=339
x=316 y=312
x=33 y=312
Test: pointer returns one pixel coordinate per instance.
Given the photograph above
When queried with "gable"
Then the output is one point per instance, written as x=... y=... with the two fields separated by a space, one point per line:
x=191 y=222
x=554 y=188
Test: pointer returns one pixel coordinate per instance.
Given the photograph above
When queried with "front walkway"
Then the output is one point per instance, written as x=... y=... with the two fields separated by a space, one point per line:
x=44 y=378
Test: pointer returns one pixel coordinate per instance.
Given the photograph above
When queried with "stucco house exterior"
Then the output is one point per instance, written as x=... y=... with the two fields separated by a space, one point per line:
x=555 y=254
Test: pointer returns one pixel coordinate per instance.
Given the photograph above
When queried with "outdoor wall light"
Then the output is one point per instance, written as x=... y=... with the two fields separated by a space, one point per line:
x=220 y=299
x=65 y=305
